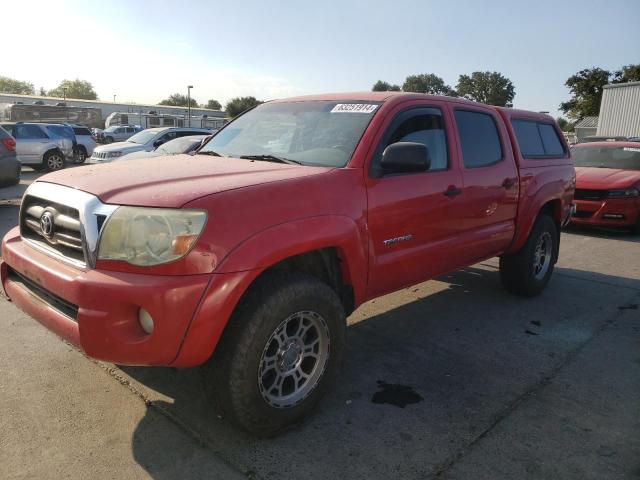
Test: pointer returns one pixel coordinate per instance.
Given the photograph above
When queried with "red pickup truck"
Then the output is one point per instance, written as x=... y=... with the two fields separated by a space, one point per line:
x=249 y=255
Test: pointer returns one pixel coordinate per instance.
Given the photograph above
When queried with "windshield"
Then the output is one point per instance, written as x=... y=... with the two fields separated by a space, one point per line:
x=624 y=158
x=323 y=133
x=142 y=137
x=110 y=129
x=180 y=145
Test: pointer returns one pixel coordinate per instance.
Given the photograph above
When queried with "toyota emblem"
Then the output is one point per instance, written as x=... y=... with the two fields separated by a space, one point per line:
x=46 y=224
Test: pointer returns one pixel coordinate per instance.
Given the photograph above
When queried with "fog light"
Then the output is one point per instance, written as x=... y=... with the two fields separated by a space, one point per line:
x=613 y=216
x=146 y=321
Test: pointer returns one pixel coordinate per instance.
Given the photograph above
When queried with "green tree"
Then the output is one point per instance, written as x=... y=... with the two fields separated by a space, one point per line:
x=491 y=88
x=179 y=100
x=74 y=89
x=237 y=105
x=382 y=86
x=628 y=73
x=427 y=83
x=586 y=88
x=42 y=92
x=11 y=85
x=564 y=124
x=213 y=105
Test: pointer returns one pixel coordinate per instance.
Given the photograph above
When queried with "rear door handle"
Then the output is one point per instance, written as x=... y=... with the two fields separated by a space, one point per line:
x=452 y=191
x=508 y=183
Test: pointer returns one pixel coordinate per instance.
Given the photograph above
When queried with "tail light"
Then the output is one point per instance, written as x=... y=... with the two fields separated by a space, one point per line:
x=9 y=143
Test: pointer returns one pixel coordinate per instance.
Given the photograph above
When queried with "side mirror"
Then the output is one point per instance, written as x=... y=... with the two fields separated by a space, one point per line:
x=157 y=143
x=405 y=157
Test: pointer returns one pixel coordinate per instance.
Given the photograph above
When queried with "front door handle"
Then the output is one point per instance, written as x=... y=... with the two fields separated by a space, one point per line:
x=452 y=191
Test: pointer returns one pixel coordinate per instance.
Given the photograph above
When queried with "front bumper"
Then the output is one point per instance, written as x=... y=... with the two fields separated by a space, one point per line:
x=97 y=310
x=613 y=212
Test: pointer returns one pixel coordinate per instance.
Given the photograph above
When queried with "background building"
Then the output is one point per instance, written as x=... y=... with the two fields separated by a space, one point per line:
x=108 y=108
x=620 y=110
x=586 y=127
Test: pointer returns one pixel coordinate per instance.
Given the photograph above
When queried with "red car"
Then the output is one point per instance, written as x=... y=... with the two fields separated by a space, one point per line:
x=250 y=254
x=607 y=184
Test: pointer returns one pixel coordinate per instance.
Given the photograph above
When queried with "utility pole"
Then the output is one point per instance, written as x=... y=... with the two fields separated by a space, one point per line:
x=189 y=87
x=114 y=98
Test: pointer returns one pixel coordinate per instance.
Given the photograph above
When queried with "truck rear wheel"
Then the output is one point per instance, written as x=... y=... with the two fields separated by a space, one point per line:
x=528 y=271
x=279 y=354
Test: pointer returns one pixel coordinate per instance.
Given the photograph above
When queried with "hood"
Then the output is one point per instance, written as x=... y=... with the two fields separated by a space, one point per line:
x=174 y=180
x=605 y=178
x=121 y=147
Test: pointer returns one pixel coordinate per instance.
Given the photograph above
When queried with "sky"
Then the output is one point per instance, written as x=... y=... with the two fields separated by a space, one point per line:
x=143 y=51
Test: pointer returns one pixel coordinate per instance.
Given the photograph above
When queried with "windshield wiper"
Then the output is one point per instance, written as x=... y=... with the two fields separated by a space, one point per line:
x=209 y=152
x=271 y=158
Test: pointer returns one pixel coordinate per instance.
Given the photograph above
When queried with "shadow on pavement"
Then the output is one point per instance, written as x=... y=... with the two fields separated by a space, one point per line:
x=467 y=347
x=604 y=233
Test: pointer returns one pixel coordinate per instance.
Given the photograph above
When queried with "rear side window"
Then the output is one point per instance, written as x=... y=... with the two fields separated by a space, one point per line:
x=550 y=140
x=479 y=138
x=81 y=131
x=537 y=139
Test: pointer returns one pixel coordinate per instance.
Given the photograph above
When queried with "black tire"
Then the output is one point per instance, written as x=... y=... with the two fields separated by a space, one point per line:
x=108 y=140
x=636 y=228
x=520 y=272
x=81 y=155
x=232 y=375
x=53 y=161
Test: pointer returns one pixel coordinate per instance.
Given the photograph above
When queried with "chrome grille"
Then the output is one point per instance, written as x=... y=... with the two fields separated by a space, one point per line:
x=63 y=222
x=99 y=155
x=65 y=236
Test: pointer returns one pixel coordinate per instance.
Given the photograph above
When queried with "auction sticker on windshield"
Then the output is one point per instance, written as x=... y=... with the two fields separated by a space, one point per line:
x=354 y=108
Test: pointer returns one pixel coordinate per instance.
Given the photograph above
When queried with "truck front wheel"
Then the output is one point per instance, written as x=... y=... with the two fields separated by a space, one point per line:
x=527 y=272
x=280 y=353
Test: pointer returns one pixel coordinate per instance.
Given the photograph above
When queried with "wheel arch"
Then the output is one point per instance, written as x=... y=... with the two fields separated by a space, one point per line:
x=327 y=247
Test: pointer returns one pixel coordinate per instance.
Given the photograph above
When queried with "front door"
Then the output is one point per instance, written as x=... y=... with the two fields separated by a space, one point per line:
x=31 y=143
x=412 y=217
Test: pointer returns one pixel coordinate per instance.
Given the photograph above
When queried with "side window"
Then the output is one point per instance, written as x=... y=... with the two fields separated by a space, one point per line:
x=479 y=138
x=550 y=140
x=426 y=127
x=167 y=136
x=537 y=139
x=29 y=132
x=129 y=130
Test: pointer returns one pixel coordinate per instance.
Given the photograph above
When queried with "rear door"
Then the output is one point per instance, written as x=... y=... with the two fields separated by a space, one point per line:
x=490 y=178
x=413 y=222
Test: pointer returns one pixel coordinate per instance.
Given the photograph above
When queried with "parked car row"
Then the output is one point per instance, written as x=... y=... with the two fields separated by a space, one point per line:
x=144 y=141
x=9 y=165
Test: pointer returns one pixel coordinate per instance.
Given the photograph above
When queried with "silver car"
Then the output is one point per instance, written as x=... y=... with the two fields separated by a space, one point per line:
x=39 y=147
x=118 y=133
x=146 y=141
x=176 y=146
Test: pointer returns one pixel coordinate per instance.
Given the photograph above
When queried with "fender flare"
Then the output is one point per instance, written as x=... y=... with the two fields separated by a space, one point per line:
x=301 y=236
x=548 y=193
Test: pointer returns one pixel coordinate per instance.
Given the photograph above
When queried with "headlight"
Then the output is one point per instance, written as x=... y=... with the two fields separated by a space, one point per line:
x=150 y=236
x=113 y=154
x=624 y=193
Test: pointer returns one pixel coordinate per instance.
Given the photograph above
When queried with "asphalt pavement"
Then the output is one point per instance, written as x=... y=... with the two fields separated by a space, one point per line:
x=453 y=378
